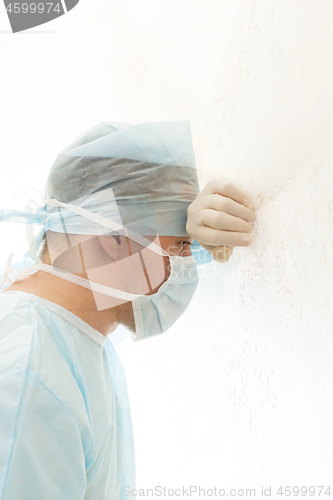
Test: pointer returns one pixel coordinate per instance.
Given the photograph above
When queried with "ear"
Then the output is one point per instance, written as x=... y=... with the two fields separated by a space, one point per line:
x=116 y=250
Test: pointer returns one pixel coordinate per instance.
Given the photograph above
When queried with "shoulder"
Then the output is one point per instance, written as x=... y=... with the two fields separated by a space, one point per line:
x=16 y=329
x=29 y=354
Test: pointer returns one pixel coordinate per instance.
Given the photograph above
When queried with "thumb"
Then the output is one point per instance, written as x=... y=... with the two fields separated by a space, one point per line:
x=220 y=254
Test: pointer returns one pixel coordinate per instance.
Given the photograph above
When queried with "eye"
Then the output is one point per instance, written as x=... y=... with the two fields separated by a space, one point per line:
x=184 y=243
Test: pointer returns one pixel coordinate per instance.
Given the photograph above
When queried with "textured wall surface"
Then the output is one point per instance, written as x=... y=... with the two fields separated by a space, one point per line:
x=239 y=392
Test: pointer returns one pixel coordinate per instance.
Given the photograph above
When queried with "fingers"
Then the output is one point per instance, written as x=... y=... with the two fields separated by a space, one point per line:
x=224 y=221
x=217 y=237
x=229 y=190
x=222 y=254
x=220 y=216
x=231 y=207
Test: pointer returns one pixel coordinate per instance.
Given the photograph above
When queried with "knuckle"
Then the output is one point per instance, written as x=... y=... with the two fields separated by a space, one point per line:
x=191 y=212
x=228 y=185
x=190 y=209
x=210 y=184
x=188 y=228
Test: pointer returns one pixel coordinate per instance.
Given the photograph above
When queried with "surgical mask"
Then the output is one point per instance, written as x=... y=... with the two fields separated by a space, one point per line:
x=153 y=314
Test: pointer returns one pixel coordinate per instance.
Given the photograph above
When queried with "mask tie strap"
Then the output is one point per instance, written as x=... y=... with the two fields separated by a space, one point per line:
x=99 y=219
x=30 y=206
x=90 y=285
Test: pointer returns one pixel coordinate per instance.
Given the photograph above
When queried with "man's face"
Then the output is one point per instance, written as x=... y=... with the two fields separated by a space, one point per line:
x=122 y=263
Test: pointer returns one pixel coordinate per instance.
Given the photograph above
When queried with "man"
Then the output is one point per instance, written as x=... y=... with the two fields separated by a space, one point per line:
x=122 y=209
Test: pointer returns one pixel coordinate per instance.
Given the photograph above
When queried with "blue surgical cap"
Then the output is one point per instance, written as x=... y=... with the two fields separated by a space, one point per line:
x=149 y=166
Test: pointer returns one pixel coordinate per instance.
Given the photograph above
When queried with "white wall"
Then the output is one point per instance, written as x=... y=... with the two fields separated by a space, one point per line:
x=239 y=392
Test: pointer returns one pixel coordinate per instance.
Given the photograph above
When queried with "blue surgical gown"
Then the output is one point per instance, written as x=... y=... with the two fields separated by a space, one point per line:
x=65 y=423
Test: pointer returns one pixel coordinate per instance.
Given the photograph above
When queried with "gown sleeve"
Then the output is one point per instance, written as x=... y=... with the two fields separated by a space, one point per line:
x=41 y=452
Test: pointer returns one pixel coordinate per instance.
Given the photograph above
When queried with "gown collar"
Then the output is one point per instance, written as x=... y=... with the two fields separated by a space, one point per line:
x=72 y=318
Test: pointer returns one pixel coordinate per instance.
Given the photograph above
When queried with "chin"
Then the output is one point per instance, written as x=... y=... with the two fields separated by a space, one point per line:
x=130 y=328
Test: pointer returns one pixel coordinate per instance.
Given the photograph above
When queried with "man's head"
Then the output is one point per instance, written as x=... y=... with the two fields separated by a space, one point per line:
x=141 y=178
